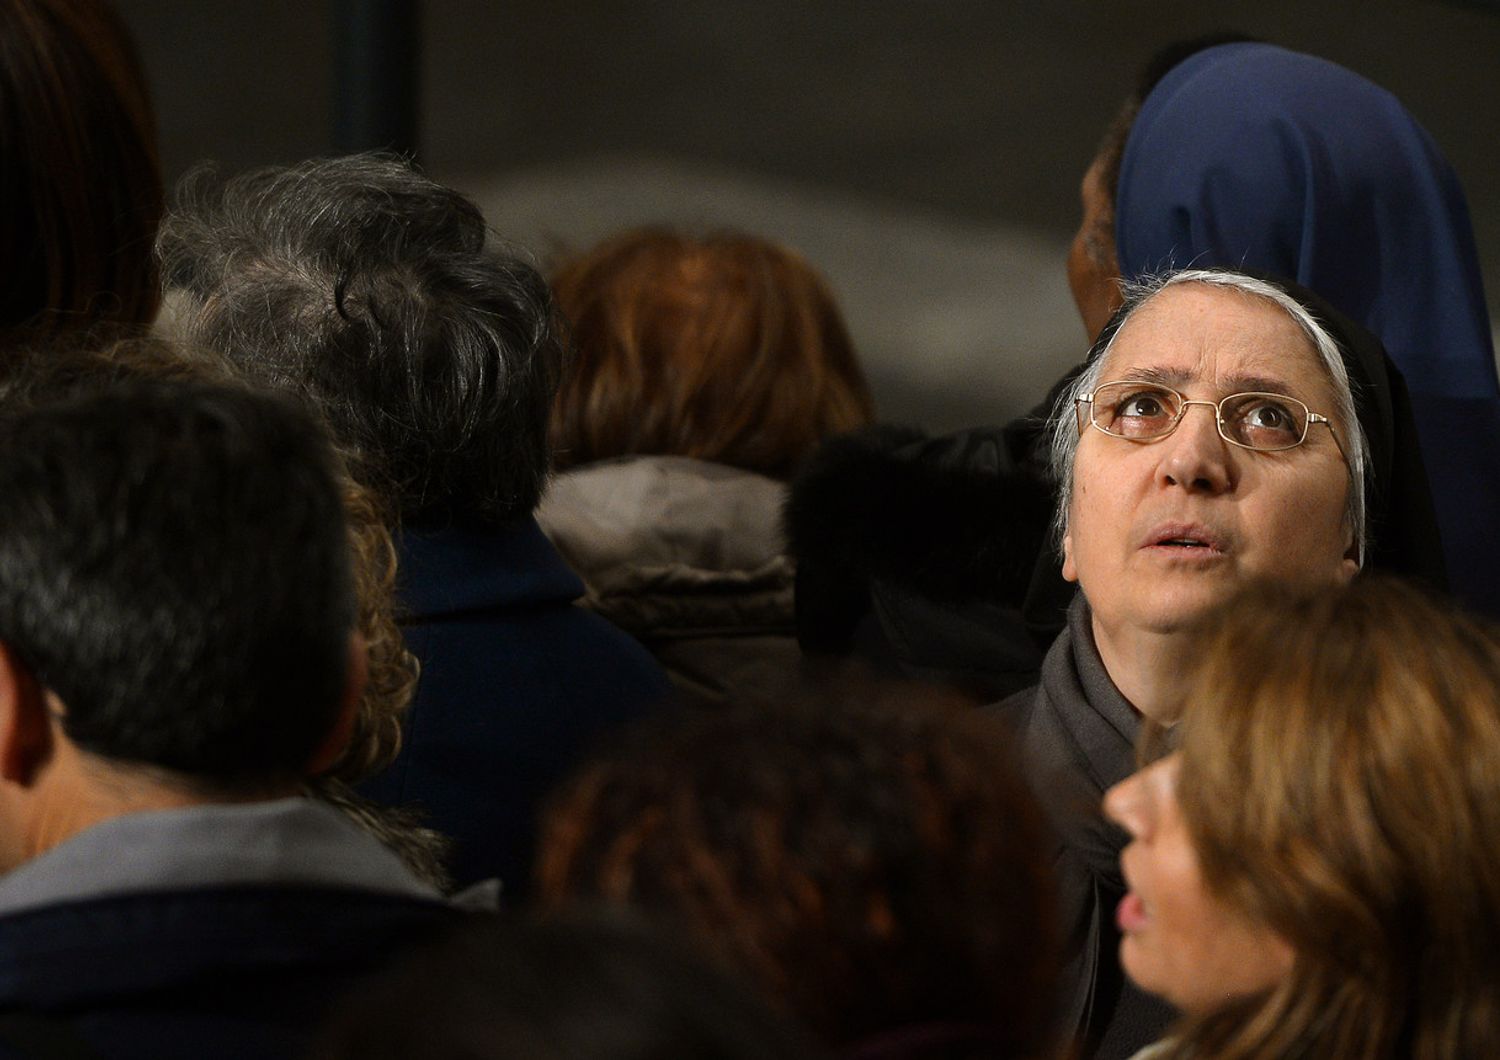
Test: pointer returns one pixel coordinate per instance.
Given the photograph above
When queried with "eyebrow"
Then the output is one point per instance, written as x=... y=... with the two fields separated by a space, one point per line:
x=1234 y=384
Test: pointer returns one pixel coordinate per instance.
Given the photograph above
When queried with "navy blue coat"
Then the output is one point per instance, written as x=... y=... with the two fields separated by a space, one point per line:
x=229 y=972
x=517 y=684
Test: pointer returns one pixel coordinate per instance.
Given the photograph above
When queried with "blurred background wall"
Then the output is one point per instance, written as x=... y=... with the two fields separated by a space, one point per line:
x=926 y=155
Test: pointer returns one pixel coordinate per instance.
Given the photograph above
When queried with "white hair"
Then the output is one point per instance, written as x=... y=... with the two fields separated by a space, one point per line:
x=1064 y=424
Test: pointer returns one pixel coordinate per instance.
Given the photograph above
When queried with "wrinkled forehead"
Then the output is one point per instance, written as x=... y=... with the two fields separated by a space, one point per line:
x=1209 y=341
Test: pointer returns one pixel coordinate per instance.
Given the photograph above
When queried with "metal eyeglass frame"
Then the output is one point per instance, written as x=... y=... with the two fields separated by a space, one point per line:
x=1218 y=406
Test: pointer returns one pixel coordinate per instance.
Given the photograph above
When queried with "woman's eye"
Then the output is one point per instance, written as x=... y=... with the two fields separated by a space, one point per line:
x=1269 y=417
x=1141 y=405
x=1263 y=423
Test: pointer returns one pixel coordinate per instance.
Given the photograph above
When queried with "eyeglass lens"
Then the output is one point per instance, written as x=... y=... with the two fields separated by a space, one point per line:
x=1142 y=411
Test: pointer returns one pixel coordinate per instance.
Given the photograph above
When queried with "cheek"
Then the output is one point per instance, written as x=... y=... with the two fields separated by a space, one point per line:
x=1231 y=958
x=1080 y=536
x=1202 y=951
x=1309 y=530
x=1104 y=486
x=1178 y=957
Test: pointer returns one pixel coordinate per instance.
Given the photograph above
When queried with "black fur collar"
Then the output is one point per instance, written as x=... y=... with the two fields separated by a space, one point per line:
x=957 y=519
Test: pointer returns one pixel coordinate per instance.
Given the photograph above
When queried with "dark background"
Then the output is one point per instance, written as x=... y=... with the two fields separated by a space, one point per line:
x=926 y=155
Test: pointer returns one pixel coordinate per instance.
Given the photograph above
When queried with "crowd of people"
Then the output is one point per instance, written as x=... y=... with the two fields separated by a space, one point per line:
x=405 y=653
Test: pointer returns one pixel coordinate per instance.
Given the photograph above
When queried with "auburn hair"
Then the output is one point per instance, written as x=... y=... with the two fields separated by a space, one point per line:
x=81 y=186
x=1340 y=779
x=727 y=348
x=872 y=859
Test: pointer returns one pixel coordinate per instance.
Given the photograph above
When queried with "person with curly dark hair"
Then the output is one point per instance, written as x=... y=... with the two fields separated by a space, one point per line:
x=434 y=355
x=878 y=867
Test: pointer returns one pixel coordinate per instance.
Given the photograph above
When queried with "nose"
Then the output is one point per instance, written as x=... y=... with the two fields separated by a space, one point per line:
x=1126 y=805
x=1195 y=456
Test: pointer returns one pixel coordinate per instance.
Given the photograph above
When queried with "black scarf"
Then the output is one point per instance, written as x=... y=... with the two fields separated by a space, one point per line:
x=1079 y=737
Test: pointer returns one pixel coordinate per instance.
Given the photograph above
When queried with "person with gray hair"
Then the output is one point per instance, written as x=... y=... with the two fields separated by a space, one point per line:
x=1225 y=430
x=434 y=355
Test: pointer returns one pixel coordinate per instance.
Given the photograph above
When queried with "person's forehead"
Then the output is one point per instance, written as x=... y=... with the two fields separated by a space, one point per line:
x=1194 y=335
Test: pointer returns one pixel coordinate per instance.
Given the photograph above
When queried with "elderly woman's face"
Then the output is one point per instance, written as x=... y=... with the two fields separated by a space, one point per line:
x=1177 y=940
x=1160 y=531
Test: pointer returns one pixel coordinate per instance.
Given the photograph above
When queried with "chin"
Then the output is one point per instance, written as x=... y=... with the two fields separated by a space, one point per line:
x=1180 y=610
x=1139 y=968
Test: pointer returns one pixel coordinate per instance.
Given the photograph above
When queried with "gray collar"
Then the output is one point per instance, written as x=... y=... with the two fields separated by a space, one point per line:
x=295 y=841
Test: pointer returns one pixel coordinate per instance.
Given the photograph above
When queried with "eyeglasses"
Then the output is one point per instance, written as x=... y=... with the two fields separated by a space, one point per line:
x=1143 y=412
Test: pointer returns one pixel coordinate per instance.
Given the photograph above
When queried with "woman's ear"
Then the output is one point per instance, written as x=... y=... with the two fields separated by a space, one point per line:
x=1352 y=561
x=26 y=735
x=336 y=741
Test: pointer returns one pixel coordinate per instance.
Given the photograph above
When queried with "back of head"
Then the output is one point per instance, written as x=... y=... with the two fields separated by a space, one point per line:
x=81 y=184
x=1250 y=156
x=174 y=567
x=876 y=867
x=1340 y=779
x=569 y=989
x=364 y=284
x=727 y=348
x=59 y=368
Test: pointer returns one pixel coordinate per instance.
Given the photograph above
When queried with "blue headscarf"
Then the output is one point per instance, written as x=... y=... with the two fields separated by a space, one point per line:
x=1249 y=156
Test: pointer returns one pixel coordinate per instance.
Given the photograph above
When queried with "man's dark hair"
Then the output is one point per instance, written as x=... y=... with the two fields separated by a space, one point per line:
x=174 y=566
x=1162 y=62
x=365 y=284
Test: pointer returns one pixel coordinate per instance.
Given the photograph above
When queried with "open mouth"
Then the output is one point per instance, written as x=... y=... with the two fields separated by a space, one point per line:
x=1185 y=538
x=1130 y=914
x=1185 y=541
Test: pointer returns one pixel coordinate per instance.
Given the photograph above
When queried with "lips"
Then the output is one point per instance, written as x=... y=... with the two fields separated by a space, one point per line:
x=1189 y=538
x=1130 y=915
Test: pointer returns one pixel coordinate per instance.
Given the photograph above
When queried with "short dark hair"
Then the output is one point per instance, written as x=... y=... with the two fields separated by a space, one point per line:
x=577 y=988
x=175 y=567
x=81 y=188
x=1161 y=62
x=873 y=862
x=365 y=284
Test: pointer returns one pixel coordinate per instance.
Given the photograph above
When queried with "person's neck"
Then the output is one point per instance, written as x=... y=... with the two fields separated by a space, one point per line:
x=1146 y=666
x=87 y=791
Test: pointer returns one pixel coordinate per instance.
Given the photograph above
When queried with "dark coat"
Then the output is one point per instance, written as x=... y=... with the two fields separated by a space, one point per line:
x=917 y=554
x=242 y=972
x=517 y=684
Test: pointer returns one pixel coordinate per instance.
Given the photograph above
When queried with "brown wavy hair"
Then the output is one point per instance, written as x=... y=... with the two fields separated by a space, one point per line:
x=1340 y=780
x=727 y=348
x=81 y=186
x=873 y=864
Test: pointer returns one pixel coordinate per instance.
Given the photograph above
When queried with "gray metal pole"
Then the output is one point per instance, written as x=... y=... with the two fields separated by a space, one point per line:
x=375 y=94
